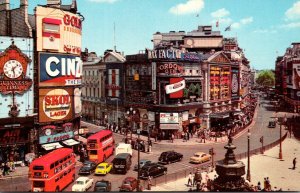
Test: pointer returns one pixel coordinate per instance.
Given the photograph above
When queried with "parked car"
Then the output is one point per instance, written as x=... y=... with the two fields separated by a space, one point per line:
x=82 y=184
x=200 y=157
x=272 y=124
x=129 y=184
x=153 y=170
x=103 y=168
x=102 y=186
x=122 y=163
x=87 y=168
x=143 y=162
x=169 y=157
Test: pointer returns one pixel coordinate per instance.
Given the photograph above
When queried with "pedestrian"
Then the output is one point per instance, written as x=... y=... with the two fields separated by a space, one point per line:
x=258 y=186
x=172 y=137
x=190 y=179
x=294 y=163
x=149 y=182
x=265 y=184
x=268 y=184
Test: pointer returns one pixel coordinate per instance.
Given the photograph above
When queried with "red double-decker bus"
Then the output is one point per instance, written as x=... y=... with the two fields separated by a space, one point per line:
x=53 y=171
x=100 y=146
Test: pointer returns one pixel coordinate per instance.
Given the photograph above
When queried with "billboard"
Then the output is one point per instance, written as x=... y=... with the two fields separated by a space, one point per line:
x=59 y=70
x=175 y=88
x=54 y=133
x=235 y=84
x=58 y=30
x=16 y=76
x=169 y=118
x=55 y=105
x=296 y=76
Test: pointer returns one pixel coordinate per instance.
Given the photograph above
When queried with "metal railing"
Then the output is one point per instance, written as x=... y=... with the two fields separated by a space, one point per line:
x=205 y=167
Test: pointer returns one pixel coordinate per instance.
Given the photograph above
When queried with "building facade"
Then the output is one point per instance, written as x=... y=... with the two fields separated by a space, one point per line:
x=17 y=114
x=287 y=76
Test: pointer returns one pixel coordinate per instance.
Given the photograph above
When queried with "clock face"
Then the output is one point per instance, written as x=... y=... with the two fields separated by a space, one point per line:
x=189 y=42
x=13 y=69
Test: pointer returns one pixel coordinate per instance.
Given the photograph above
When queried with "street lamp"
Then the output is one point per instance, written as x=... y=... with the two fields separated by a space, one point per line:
x=138 y=173
x=130 y=114
x=248 y=167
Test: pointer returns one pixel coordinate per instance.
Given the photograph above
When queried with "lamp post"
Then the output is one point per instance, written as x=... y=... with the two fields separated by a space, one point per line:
x=138 y=173
x=248 y=166
x=130 y=114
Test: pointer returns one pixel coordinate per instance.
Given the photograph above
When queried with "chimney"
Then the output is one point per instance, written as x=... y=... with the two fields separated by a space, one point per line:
x=4 y=5
x=23 y=3
x=54 y=3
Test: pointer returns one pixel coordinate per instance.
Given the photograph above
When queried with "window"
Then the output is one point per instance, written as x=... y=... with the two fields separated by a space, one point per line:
x=38 y=167
x=93 y=152
x=52 y=166
x=39 y=184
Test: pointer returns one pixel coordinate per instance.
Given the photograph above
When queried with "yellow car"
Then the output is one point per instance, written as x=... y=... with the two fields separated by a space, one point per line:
x=200 y=157
x=103 y=168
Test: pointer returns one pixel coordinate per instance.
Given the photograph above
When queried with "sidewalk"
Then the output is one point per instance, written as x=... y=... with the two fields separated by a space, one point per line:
x=267 y=165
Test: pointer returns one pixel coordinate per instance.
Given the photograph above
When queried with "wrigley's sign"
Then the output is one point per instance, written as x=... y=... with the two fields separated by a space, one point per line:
x=173 y=54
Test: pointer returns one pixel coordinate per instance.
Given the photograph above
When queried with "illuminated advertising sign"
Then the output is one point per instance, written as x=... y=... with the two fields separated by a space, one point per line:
x=55 y=105
x=59 y=70
x=170 y=68
x=58 y=30
x=169 y=118
x=175 y=88
x=235 y=84
x=56 y=137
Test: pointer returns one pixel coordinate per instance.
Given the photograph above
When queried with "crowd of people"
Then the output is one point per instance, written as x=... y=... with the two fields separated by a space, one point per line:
x=6 y=168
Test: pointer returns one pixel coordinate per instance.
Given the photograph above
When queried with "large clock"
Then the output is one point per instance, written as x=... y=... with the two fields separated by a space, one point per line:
x=13 y=69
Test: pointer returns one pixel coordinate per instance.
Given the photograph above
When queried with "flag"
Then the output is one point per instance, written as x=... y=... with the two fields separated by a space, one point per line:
x=217 y=23
x=228 y=28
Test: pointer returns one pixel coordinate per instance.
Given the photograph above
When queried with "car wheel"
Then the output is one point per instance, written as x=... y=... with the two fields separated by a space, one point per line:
x=57 y=189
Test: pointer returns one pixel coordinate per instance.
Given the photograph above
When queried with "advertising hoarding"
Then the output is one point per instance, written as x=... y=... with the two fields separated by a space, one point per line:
x=51 y=133
x=58 y=30
x=175 y=88
x=235 y=84
x=55 y=104
x=22 y=81
x=168 y=118
x=296 y=76
x=59 y=70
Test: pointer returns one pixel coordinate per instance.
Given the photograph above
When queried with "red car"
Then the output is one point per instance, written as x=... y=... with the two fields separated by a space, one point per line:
x=129 y=184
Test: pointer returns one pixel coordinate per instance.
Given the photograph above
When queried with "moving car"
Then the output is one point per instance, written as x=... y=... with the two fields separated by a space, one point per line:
x=121 y=163
x=129 y=184
x=153 y=170
x=87 y=168
x=123 y=148
x=82 y=184
x=272 y=124
x=169 y=157
x=200 y=157
x=103 y=168
x=143 y=162
x=102 y=186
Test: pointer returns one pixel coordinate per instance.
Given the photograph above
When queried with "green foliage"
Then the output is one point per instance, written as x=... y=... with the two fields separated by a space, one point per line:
x=266 y=78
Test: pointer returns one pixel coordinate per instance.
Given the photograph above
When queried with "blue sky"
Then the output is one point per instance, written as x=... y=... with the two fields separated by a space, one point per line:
x=264 y=28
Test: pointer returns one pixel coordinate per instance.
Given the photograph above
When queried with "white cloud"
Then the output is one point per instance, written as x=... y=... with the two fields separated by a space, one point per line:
x=293 y=12
x=220 y=13
x=191 y=6
x=236 y=25
x=291 y=25
x=263 y=31
x=247 y=20
x=103 y=1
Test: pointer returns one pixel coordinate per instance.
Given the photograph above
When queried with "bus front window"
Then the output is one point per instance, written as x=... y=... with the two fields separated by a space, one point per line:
x=93 y=152
x=39 y=184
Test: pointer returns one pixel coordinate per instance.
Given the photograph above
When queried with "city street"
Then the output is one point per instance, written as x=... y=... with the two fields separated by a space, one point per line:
x=259 y=128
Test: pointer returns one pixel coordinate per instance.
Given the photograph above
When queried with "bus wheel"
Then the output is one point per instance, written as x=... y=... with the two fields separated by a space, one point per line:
x=57 y=189
x=104 y=158
x=73 y=178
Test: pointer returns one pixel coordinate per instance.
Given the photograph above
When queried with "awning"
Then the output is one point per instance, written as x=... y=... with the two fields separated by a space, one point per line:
x=82 y=139
x=70 y=142
x=50 y=146
x=170 y=126
x=219 y=115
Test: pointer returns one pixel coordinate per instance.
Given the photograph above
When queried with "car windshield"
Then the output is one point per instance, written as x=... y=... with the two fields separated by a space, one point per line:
x=126 y=182
x=85 y=167
x=119 y=162
x=79 y=182
x=100 y=184
x=100 y=167
x=197 y=155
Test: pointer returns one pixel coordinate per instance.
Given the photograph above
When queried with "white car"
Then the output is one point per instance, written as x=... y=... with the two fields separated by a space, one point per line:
x=82 y=184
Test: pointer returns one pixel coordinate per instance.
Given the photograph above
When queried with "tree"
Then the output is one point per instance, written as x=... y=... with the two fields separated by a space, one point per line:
x=266 y=78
